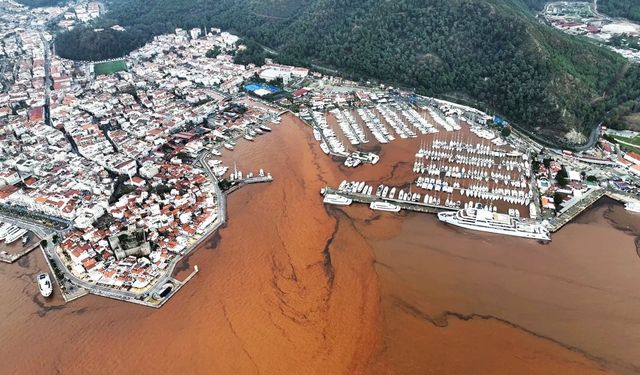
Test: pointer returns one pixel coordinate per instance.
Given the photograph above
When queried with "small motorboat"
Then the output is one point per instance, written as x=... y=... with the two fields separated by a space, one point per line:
x=44 y=284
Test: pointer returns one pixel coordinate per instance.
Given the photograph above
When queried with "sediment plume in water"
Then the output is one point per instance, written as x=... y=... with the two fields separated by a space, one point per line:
x=293 y=286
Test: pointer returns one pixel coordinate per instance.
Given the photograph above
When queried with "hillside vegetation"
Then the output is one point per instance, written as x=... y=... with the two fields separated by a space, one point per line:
x=492 y=53
x=40 y=3
x=620 y=8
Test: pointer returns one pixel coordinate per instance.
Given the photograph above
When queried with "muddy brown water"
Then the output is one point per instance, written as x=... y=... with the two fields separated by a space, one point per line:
x=291 y=286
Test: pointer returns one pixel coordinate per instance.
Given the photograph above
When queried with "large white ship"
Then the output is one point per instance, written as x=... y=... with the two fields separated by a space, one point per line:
x=486 y=221
x=336 y=199
x=384 y=206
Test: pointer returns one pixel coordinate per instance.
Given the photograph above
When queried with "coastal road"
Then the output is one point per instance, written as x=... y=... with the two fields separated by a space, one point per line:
x=48 y=82
x=220 y=196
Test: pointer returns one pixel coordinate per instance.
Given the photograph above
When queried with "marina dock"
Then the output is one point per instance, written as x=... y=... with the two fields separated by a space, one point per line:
x=405 y=205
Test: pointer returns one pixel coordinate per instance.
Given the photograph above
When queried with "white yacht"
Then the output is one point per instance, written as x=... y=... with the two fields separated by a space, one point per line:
x=228 y=146
x=384 y=206
x=336 y=199
x=324 y=148
x=486 y=221
x=10 y=232
x=15 y=236
x=44 y=284
x=4 y=229
x=632 y=206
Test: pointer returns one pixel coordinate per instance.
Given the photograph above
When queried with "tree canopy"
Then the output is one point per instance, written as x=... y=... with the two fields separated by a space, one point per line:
x=620 y=8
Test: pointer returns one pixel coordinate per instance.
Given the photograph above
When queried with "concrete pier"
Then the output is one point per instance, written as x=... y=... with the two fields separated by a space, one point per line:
x=10 y=258
x=251 y=180
x=561 y=220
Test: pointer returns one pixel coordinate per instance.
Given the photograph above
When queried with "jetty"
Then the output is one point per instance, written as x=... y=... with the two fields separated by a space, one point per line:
x=7 y=257
x=237 y=184
x=569 y=213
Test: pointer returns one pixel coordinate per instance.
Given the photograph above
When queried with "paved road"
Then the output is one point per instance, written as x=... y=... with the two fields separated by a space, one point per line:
x=48 y=81
x=221 y=198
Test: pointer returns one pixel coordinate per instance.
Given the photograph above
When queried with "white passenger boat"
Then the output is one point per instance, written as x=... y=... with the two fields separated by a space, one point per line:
x=336 y=199
x=249 y=138
x=44 y=284
x=384 y=206
x=228 y=146
x=265 y=128
x=486 y=221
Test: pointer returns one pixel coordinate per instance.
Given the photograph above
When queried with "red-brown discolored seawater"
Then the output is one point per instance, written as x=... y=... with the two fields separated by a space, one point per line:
x=290 y=286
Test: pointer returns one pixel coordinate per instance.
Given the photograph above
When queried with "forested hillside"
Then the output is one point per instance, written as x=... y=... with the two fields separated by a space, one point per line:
x=490 y=52
x=535 y=4
x=40 y=3
x=620 y=8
